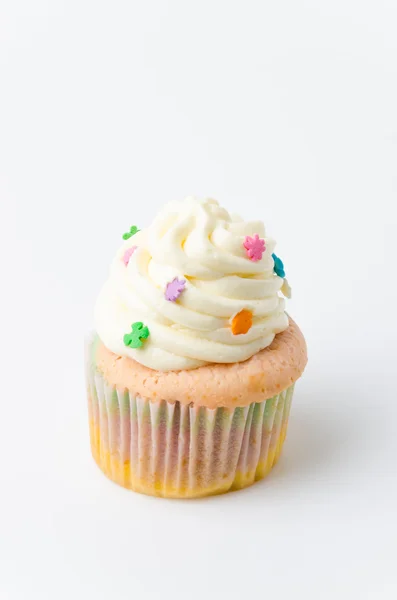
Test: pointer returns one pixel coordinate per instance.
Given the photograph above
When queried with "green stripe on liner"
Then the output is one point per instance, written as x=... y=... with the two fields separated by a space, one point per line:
x=256 y=417
x=238 y=417
x=93 y=349
x=131 y=405
x=125 y=403
x=269 y=407
x=114 y=402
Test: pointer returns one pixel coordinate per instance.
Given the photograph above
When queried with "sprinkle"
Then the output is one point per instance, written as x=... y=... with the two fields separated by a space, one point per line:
x=138 y=333
x=174 y=289
x=255 y=247
x=241 y=322
x=128 y=253
x=133 y=230
x=278 y=266
x=286 y=289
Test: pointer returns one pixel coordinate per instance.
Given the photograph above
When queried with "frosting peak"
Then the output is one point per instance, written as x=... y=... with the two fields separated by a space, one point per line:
x=204 y=258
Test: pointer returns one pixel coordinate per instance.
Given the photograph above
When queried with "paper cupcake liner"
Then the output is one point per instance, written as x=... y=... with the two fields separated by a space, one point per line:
x=182 y=451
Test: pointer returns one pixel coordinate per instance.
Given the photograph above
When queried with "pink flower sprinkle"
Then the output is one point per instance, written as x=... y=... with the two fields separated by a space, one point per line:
x=128 y=253
x=254 y=246
x=174 y=289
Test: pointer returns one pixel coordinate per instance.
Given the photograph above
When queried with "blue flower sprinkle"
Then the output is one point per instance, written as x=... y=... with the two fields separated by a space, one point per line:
x=278 y=266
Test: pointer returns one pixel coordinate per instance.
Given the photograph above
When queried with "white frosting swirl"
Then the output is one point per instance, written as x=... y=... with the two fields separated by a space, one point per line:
x=197 y=241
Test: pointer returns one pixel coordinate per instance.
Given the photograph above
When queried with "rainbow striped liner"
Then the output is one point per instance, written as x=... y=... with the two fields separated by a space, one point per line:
x=182 y=451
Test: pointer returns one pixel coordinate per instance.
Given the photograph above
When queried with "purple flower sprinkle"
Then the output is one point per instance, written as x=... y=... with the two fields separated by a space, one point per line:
x=174 y=289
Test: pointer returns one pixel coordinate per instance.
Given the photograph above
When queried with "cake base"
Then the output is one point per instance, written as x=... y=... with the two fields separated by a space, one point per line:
x=178 y=451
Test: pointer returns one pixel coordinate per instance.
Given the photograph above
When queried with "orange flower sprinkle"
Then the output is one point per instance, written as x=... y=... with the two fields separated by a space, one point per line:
x=242 y=322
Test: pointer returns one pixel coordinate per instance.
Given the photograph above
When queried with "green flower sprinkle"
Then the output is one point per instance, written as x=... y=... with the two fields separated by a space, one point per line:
x=138 y=333
x=133 y=230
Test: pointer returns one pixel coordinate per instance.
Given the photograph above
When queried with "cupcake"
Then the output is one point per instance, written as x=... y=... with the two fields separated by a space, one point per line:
x=192 y=365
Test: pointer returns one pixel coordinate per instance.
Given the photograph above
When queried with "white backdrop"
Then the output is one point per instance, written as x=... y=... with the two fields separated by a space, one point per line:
x=284 y=111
